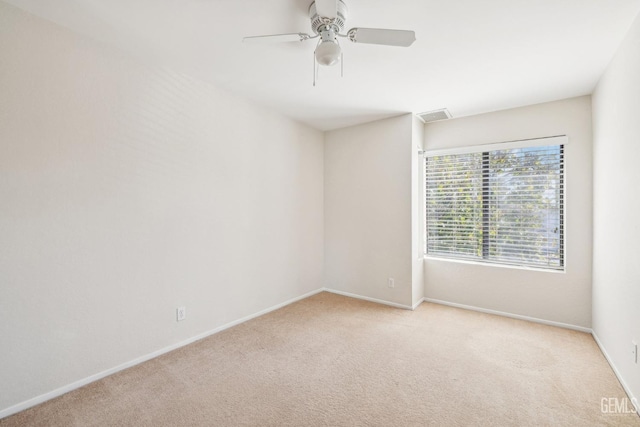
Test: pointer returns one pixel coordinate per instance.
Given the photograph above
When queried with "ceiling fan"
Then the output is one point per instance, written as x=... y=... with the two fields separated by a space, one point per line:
x=328 y=18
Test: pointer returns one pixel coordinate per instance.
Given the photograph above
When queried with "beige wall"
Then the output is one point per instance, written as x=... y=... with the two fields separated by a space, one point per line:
x=616 y=273
x=368 y=202
x=127 y=191
x=551 y=296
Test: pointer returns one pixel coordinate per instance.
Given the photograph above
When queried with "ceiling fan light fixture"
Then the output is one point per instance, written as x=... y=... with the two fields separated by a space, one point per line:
x=328 y=19
x=328 y=53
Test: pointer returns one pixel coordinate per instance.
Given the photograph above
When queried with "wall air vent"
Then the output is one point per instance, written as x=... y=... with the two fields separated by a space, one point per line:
x=434 y=116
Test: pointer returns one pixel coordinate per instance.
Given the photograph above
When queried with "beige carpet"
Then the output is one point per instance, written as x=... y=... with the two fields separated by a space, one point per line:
x=335 y=361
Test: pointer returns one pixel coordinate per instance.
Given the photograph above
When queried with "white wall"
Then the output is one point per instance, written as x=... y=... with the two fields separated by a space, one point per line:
x=616 y=274
x=368 y=202
x=557 y=297
x=418 y=211
x=127 y=191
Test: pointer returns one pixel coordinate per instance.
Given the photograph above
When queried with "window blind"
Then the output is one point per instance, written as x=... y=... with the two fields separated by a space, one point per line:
x=499 y=206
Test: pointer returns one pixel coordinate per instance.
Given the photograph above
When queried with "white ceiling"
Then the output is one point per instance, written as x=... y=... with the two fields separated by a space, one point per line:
x=470 y=56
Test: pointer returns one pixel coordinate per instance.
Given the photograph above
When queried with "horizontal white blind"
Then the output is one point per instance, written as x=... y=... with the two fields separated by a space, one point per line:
x=503 y=206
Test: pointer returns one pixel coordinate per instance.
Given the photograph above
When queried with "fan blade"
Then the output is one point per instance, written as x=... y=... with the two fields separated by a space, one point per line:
x=327 y=8
x=402 y=38
x=277 y=38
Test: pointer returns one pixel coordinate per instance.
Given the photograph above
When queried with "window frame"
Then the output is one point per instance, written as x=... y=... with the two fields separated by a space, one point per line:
x=558 y=140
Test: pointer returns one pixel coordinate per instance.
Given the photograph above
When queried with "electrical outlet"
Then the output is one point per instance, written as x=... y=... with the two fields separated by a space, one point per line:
x=181 y=313
x=391 y=282
x=634 y=351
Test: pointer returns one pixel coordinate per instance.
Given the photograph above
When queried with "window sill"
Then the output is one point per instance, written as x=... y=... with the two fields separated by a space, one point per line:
x=494 y=265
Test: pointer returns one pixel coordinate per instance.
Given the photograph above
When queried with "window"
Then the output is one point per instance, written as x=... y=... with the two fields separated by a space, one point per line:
x=502 y=203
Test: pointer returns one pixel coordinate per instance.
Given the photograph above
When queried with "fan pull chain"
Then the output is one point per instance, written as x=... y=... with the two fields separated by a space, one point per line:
x=315 y=70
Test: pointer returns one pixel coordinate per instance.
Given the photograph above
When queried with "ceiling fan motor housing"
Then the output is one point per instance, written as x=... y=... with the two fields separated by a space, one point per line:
x=319 y=23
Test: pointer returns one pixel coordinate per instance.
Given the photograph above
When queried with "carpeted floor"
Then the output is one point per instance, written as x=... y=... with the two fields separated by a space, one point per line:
x=334 y=361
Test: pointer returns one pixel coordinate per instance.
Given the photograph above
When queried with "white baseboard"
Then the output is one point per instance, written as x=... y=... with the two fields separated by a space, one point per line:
x=624 y=385
x=378 y=301
x=511 y=315
x=80 y=383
